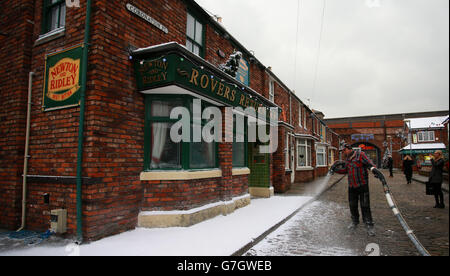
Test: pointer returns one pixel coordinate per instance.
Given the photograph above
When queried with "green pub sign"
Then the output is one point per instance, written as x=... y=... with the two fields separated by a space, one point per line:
x=62 y=82
x=173 y=69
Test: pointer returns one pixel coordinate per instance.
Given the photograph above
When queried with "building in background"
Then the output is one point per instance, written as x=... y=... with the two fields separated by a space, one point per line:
x=428 y=135
x=378 y=135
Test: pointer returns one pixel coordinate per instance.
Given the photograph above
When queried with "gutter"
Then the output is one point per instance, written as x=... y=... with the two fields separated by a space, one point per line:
x=79 y=179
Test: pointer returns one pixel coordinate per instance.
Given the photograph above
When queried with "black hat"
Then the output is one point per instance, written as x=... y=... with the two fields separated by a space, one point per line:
x=345 y=146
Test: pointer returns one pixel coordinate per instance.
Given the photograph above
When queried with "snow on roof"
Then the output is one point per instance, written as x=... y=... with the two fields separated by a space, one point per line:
x=434 y=146
x=446 y=120
x=431 y=122
x=156 y=46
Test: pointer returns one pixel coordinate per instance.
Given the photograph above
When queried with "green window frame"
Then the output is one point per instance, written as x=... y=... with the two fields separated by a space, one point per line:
x=195 y=35
x=53 y=15
x=185 y=149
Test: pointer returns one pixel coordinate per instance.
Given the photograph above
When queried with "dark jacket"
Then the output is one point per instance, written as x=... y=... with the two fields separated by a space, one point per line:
x=408 y=166
x=437 y=171
x=390 y=163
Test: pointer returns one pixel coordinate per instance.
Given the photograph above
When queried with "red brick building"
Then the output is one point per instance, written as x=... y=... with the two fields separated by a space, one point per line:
x=143 y=60
x=379 y=135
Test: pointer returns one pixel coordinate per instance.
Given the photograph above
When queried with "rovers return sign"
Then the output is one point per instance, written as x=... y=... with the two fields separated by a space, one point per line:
x=62 y=79
x=173 y=69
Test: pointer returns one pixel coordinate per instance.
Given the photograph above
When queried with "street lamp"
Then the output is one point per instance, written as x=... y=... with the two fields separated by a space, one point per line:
x=409 y=136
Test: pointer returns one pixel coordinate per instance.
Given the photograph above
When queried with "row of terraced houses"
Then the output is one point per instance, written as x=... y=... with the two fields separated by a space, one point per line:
x=96 y=144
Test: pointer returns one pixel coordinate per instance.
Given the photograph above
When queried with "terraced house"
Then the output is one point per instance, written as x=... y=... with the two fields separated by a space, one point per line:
x=87 y=92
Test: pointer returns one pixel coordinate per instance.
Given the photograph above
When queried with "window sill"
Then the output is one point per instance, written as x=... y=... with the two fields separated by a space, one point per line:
x=324 y=166
x=44 y=38
x=305 y=169
x=241 y=171
x=180 y=175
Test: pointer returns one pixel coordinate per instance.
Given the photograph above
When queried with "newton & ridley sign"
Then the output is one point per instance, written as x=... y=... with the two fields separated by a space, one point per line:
x=62 y=79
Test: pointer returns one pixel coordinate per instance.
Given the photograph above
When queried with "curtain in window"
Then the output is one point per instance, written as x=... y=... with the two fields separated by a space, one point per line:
x=159 y=131
x=164 y=153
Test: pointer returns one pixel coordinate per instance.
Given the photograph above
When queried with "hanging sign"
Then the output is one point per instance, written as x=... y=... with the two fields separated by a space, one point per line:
x=243 y=73
x=62 y=79
x=147 y=18
x=174 y=69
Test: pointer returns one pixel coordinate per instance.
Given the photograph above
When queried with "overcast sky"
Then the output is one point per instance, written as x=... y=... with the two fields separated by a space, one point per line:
x=376 y=56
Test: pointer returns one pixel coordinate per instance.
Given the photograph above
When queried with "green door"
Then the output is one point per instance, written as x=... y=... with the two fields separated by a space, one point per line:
x=259 y=166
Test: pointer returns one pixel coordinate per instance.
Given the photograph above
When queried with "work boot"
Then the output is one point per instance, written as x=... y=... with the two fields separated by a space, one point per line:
x=371 y=231
x=352 y=226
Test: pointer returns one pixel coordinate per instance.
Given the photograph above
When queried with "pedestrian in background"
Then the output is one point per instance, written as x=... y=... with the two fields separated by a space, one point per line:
x=436 y=178
x=391 y=166
x=408 y=168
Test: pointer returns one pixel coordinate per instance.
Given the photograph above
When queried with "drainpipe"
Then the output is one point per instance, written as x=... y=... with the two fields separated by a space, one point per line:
x=81 y=123
x=26 y=155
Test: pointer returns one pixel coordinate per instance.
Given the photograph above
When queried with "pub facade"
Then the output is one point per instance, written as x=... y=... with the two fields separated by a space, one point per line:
x=93 y=139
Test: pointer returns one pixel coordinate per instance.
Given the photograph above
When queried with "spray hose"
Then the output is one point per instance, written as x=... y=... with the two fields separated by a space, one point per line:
x=397 y=213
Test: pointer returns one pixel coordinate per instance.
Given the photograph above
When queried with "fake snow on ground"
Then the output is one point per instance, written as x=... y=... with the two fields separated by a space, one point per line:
x=313 y=231
x=220 y=236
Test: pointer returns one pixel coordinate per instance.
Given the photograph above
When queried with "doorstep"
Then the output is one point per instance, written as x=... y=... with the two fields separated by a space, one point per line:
x=262 y=192
x=191 y=217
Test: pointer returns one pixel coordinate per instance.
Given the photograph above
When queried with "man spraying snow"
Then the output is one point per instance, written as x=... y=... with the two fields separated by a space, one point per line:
x=356 y=167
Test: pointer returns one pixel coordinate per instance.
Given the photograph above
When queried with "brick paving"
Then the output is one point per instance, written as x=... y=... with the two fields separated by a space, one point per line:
x=321 y=228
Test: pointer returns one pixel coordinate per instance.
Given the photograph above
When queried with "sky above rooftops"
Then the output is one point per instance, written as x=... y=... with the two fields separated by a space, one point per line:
x=375 y=56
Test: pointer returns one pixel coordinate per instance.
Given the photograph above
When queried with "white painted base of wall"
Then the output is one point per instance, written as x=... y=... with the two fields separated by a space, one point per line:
x=191 y=217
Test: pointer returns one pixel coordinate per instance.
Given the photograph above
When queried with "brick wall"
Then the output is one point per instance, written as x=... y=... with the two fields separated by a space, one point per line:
x=113 y=152
x=16 y=26
x=281 y=177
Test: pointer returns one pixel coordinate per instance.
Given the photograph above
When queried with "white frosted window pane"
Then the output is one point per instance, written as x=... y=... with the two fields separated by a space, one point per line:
x=190 y=26
x=62 y=19
x=198 y=33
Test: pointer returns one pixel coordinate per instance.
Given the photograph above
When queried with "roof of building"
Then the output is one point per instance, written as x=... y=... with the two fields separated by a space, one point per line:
x=433 y=146
x=427 y=123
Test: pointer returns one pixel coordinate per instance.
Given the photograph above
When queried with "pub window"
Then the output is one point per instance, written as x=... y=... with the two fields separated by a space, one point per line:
x=239 y=147
x=164 y=154
x=54 y=15
x=194 y=35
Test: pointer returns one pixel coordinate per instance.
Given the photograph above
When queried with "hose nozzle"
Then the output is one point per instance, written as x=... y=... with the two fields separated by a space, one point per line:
x=338 y=165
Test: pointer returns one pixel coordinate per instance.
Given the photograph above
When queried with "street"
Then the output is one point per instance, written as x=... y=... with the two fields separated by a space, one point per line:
x=320 y=229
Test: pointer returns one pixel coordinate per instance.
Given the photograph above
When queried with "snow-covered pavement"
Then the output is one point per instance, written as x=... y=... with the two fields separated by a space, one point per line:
x=220 y=236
